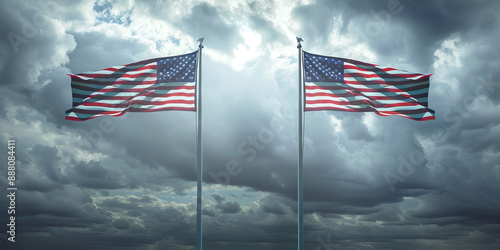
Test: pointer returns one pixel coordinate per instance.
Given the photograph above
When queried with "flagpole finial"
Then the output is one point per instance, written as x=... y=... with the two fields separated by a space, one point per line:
x=299 y=39
x=200 y=39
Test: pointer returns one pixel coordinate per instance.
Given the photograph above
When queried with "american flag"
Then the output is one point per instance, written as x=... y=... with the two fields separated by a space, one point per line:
x=333 y=83
x=158 y=84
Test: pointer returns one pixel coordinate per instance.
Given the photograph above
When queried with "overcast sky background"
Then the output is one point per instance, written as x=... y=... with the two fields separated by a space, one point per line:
x=369 y=181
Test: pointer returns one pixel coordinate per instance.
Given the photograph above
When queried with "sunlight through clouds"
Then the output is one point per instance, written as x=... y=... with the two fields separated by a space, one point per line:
x=369 y=181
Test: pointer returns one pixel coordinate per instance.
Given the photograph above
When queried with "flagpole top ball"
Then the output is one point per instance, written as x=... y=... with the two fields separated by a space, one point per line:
x=299 y=39
x=201 y=41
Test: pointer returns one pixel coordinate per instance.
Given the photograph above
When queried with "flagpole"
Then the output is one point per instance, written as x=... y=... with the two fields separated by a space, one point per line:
x=199 y=157
x=300 y=193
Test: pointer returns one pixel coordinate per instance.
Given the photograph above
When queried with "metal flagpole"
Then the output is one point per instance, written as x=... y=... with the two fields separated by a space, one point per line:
x=300 y=193
x=199 y=154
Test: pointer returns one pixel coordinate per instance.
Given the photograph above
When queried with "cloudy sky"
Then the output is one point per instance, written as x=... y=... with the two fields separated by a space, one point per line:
x=369 y=181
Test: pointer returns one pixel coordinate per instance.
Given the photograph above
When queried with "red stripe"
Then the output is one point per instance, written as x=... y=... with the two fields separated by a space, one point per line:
x=151 y=88
x=348 y=88
x=378 y=83
x=162 y=109
x=132 y=82
x=124 y=70
x=362 y=102
x=151 y=93
x=385 y=113
x=369 y=109
x=114 y=69
x=113 y=113
x=366 y=90
x=353 y=66
x=104 y=76
x=354 y=74
x=330 y=108
x=387 y=69
x=347 y=94
x=118 y=89
x=140 y=102
x=109 y=90
x=103 y=97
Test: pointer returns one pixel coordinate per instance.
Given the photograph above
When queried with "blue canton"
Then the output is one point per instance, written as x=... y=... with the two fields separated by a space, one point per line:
x=323 y=69
x=177 y=69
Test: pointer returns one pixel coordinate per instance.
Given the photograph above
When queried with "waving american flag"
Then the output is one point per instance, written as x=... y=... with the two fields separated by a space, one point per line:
x=158 y=84
x=333 y=83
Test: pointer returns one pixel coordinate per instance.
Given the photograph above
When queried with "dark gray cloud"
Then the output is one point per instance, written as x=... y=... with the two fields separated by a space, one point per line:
x=206 y=19
x=369 y=181
x=230 y=207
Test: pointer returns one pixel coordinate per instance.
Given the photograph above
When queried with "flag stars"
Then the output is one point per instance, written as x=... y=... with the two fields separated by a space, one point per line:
x=177 y=69
x=318 y=68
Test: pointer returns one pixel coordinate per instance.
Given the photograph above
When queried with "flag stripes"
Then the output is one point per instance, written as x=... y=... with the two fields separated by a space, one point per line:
x=343 y=84
x=152 y=85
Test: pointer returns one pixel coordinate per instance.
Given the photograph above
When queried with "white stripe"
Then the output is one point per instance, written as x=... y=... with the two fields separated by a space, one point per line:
x=135 y=87
x=135 y=72
x=83 y=92
x=394 y=109
x=146 y=98
x=343 y=91
x=165 y=92
x=385 y=85
x=174 y=91
x=330 y=105
x=178 y=84
x=170 y=105
x=117 y=93
x=104 y=72
x=356 y=83
x=82 y=107
x=367 y=93
x=173 y=84
x=396 y=71
x=144 y=86
x=359 y=71
x=353 y=98
x=384 y=68
x=114 y=79
x=73 y=114
x=348 y=78
x=143 y=106
x=109 y=72
x=121 y=93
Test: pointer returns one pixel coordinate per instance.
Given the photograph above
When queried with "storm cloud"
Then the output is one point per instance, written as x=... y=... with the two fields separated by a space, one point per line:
x=369 y=181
